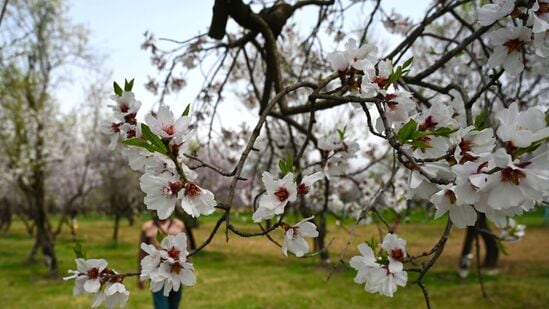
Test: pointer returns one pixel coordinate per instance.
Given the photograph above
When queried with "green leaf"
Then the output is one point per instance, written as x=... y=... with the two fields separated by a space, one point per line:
x=396 y=75
x=408 y=62
x=282 y=166
x=519 y=152
x=444 y=131
x=419 y=134
x=408 y=131
x=342 y=133
x=286 y=166
x=290 y=163
x=502 y=248
x=187 y=110
x=479 y=120
x=128 y=85
x=117 y=90
x=139 y=142
x=372 y=244
x=159 y=236
x=79 y=251
x=154 y=139
x=420 y=144
x=547 y=119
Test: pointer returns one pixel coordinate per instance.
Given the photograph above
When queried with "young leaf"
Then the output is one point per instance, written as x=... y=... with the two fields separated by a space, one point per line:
x=187 y=110
x=156 y=142
x=139 y=142
x=444 y=131
x=128 y=85
x=290 y=164
x=117 y=90
x=502 y=248
x=282 y=166
x=372 y=244
x=342 y=133
x=394 y=76
x=407 y=131
x=79 y=251
x=420 y=144
x=408 y=62
x=535 y=145
x=160 y=236
x=479 y=120
x=286 y=166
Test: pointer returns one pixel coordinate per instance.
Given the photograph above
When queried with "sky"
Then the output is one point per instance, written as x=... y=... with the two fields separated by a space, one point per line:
x=116 y=34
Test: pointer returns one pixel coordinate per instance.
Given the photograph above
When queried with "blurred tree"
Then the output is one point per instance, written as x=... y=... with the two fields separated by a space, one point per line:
x=37 y=44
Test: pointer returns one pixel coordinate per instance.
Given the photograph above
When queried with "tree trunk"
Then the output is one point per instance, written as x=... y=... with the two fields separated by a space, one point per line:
x=44 y=236
x=190 y=223
x=60 y=225
x=320 y=244
x=116 y=226
x=190 y=236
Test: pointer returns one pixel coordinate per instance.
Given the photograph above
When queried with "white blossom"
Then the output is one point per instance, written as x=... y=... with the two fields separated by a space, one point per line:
x=294 y=237
x=197 y=201
x=396 y=251
x=508 y=45
x=87 y=275
x=165 y=125
x=279 y=193
x=490 y=13
x=126 y=106
x=308 y=181
x=538 y=16
x=445 y=200
x=521 y=129
x=161 y=193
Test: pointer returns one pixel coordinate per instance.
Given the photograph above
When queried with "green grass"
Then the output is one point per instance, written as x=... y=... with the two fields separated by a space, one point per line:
x=252 y=273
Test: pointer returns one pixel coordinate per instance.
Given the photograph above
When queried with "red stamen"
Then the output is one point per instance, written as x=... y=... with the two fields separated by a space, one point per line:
x=282 y=194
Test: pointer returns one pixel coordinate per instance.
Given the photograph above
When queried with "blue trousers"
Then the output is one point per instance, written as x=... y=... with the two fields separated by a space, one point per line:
x=170 y=302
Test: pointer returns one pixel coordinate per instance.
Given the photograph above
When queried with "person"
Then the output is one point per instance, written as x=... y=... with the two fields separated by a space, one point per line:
x=492 y=250
x=149 y=232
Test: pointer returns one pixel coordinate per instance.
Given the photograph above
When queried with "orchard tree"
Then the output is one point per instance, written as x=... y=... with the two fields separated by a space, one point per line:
x=457 y=108
x=37 y=43
x=78 y=171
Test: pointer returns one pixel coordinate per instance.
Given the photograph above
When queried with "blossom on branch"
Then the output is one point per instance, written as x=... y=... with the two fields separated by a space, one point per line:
x=168 y=268
x=492 y=12
x=294 y=237
x=538 y=16
x=381 y=275
x=162 y=193
x=164 y=124
x=508 y=46
x=279 y=193
x=521 y=128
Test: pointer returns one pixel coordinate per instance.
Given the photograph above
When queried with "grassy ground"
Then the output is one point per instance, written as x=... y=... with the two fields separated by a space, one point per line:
x=252 y=273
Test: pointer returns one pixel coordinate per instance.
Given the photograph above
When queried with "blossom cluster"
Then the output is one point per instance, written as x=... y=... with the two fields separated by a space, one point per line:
x=384 y=273
x=511 y=41
x=500 y=172
x=366 y=76
x=93 y=277
x=168 y=268
x=336 y=150
x=512 y=231
x=280 y=192
x=155 y=148
x=498 y=166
